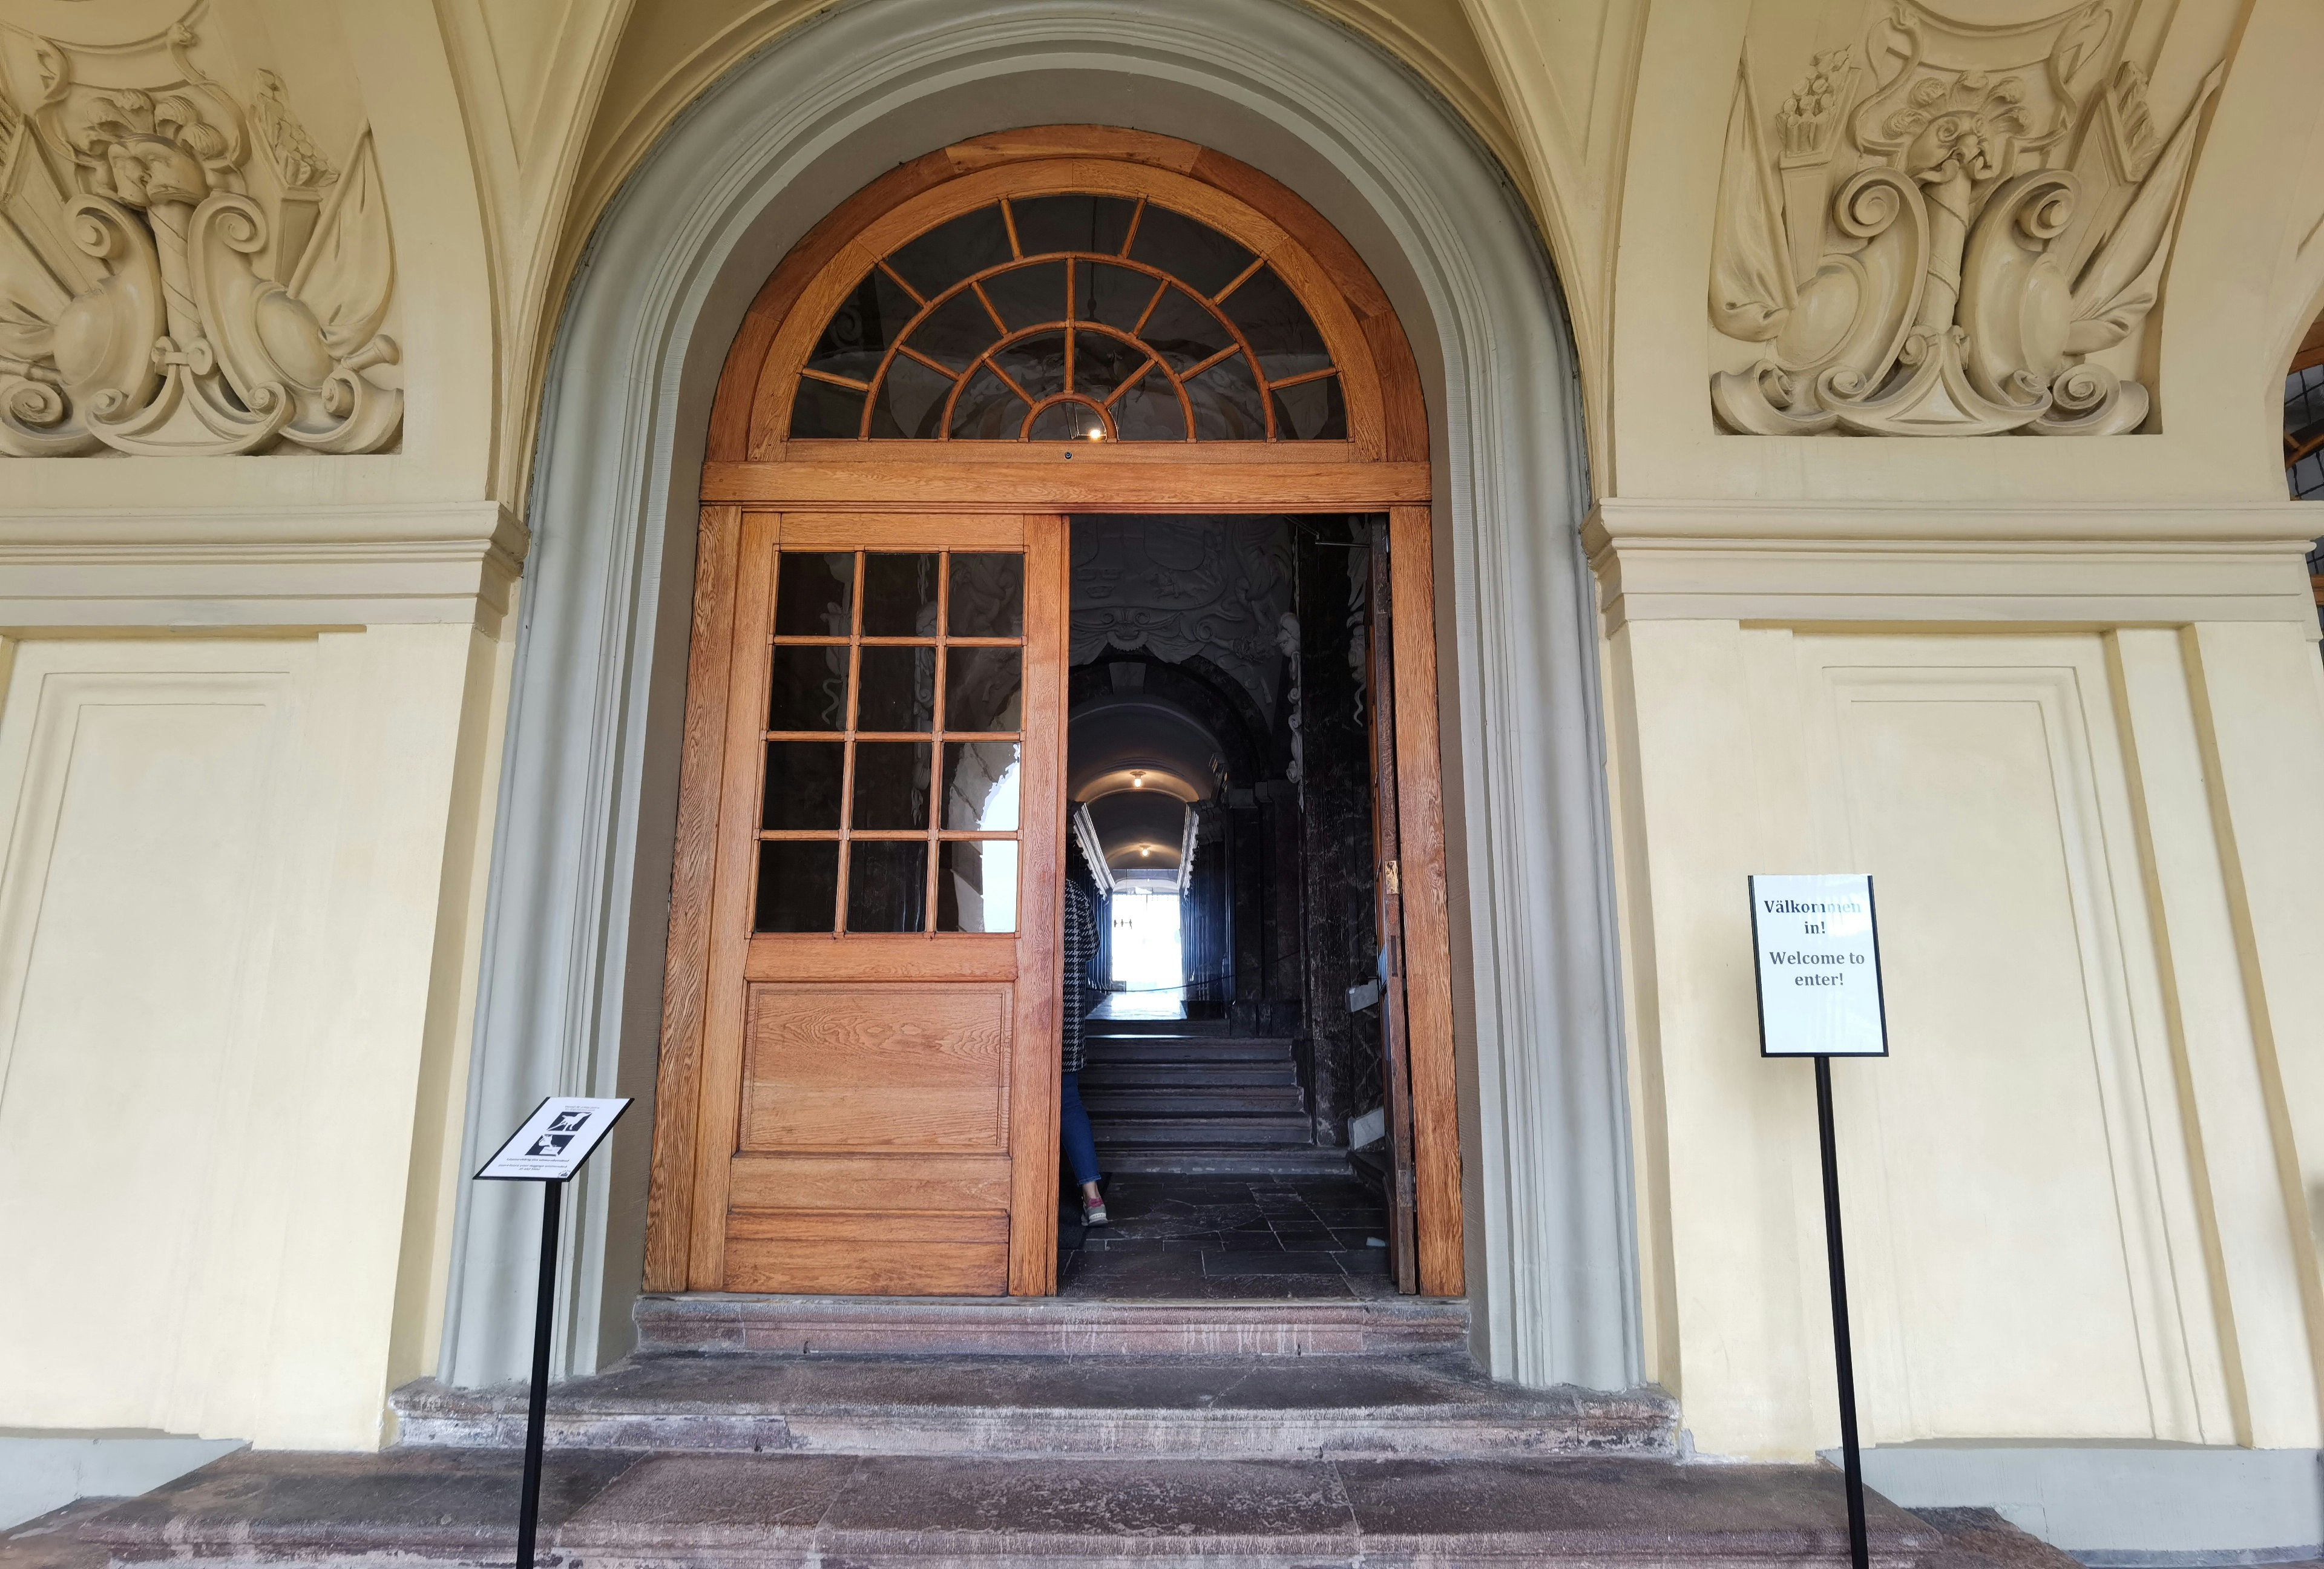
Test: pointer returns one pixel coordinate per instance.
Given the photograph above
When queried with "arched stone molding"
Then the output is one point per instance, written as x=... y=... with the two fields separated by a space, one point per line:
x=568 y=994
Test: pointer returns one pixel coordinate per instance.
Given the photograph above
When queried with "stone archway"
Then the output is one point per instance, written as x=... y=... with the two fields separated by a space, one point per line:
x=569 y=992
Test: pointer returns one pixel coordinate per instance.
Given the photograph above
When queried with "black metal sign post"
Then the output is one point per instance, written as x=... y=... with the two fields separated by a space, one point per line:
x=1817 y=950
x=536 y=1413
x=548 y=1149
x=1859 y=1551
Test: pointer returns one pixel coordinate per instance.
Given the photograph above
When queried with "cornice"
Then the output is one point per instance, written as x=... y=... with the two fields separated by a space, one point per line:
x=2019 y=566
x=319 y=525
x=1618 y=524
x=220 y=568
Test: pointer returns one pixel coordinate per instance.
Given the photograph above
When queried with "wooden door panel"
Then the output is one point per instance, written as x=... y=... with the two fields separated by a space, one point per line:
x=878 y=1082
x=911 y=1254
x=961 y=956
x=877 y=1067
x=967 y=1184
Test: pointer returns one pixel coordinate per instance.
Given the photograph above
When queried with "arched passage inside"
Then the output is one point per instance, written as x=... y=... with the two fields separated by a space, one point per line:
x=573 y=967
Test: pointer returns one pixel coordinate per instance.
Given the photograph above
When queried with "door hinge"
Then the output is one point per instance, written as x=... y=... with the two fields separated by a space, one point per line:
x=1391 y=880
x=1404 y=1196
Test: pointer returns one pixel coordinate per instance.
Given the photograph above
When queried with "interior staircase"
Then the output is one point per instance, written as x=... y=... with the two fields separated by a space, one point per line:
x=1187 y=1095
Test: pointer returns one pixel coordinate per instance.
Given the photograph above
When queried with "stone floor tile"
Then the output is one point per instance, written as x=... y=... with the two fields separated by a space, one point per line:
x=53 y=1541
x=1619 y=1507
x=1153 y=1499
x=694 y=1499
x=1222 y=1265
x=434 y=1500
x=1982 y=1539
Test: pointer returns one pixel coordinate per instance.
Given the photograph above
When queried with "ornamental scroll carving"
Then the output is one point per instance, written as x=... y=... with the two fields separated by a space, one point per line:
x=182 y=273
x=1936 y=230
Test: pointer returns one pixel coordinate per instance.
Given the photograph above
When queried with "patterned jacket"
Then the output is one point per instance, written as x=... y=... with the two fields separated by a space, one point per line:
x=1080 y=948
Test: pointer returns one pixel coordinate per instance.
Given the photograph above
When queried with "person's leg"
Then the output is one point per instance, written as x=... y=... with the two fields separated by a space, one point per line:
x=1080 y=1145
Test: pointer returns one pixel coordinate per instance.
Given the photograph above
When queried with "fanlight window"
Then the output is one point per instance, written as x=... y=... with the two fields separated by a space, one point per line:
x=1070 y=318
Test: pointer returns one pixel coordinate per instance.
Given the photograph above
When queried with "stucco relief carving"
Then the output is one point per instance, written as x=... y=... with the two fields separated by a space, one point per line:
x=1182 y=587
x=1937 y=228
x=179 y=274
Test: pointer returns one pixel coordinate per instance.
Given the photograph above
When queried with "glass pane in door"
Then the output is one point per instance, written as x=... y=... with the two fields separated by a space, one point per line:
x=880 y=663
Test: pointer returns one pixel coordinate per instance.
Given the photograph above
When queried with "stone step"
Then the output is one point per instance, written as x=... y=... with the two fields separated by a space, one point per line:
x=446 y=1507
x=1182 y=1101
x=1160 y=1026
x=1146 y=1074
x=1255 y=1050
x=1203 y=1132
x=1187 y=1406
x=1252 y=1159
x=696 y=1323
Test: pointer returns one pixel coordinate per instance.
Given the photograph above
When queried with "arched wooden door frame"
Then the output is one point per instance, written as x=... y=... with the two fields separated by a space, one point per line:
x=752 y=465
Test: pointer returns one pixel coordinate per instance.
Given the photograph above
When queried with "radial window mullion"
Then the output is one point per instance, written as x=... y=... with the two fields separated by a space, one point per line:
x=1240 y=279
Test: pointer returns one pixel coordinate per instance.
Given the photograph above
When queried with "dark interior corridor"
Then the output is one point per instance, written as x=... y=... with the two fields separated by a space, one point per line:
x=1218 y=762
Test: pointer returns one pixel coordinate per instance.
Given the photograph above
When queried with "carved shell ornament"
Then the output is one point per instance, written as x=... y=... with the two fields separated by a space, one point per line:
x=180 y=278
x=1949 y=222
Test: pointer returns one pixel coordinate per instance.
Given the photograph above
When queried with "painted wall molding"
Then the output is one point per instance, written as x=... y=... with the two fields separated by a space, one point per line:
x=1619 y=520
x=1943 y=225
x=2001 y=565
x=572 y=952
x=183 y=272
x=349 y=564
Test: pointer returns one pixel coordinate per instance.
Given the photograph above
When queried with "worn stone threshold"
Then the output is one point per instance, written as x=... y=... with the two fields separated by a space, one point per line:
x=1047 y=1326
x=696 y=1511
x=1210 y=1407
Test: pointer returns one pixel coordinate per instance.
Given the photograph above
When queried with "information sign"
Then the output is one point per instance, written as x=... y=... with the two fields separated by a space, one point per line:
x=548 y=1149
x=1818 y=960
x=554 y=1140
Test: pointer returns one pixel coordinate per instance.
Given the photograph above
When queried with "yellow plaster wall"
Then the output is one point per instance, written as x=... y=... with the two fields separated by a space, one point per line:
x=2059 y=696
x=2078 y=1193
x=248 y=751
x=2083 y=1194
x=234 y=866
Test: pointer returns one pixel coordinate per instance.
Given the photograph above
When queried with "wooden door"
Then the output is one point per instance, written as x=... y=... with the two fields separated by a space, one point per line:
x=879 y=1075
x=767 y=1148
x=1396 y=1067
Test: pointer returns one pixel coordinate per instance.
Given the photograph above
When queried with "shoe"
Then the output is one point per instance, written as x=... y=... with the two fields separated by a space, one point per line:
x=1094 y=1212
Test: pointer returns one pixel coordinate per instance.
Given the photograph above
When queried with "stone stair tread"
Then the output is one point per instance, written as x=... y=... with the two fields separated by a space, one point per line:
x=1184 y=1056
x=1160 y=1026
x=1167 y=1075
x=1202 y=1132
x=1190 y=1406
x=1180 y=1102
x=457 y=1507
x=689 y=1323
x=1249 y=1159
x=1211 y=1039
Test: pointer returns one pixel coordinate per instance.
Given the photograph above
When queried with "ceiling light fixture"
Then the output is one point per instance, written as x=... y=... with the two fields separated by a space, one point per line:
x=1137 y=779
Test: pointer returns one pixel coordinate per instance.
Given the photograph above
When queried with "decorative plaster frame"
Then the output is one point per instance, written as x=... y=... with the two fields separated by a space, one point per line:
x=568 y=994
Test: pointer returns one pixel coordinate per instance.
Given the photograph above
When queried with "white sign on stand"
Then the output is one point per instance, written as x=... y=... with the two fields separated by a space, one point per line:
x=554 y=1140
x=1818 y=950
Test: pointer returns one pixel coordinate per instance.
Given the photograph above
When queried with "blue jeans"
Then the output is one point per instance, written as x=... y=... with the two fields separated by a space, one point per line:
x=1073 y=1130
